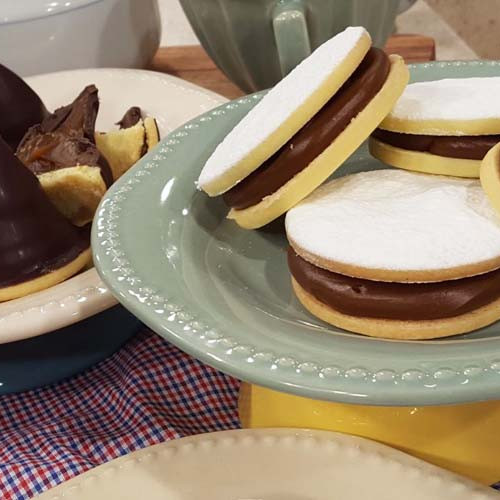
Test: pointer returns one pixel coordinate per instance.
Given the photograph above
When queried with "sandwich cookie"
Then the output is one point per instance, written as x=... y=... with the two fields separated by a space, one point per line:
x=61 y=151
x=304 y=128
x=441 y=127
x=395 y=254
x=38 y=246
x=490 y=176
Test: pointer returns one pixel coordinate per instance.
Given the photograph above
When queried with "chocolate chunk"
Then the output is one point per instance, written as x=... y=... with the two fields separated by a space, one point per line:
x=132 y=117
x=20 y=107
x=77 y=118
x=54 y=150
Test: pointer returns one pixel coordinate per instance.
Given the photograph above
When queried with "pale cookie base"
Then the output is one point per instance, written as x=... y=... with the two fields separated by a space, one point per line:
x=75 y=191
x=398 y=329
x=47 y=280
x=394 y=275
x=122 y=148
x=332 y=157
x=419 y=161
x=490 y=176
x=303 y=113
x=152 y=132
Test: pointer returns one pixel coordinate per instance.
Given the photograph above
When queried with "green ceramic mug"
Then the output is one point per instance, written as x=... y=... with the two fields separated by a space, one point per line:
x=256 y=42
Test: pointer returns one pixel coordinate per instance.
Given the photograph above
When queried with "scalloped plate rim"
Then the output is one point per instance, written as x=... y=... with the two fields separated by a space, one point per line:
x=441 y=384
x=330 y=446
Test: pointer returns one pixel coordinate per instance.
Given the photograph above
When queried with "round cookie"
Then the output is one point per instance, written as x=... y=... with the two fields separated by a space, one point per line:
x=443 y=127
x=451 y=106
x=260 y=176
x=396 y=254
x=331 y=158
x=393 y=225
x=490 y=176
x=287 y=107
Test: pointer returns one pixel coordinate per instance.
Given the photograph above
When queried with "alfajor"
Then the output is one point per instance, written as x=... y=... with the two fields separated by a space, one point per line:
x=304 y=128
x=396 y=254
x=441 y=127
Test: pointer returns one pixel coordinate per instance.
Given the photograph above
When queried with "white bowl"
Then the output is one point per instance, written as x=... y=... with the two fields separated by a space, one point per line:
x=172 y=102
x=41 y=36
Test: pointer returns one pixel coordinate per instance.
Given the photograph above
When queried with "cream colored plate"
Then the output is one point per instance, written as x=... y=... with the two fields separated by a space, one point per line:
x=172 y=101
x=269 y=464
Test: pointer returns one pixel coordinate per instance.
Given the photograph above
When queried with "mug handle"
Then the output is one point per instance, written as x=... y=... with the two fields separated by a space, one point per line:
x=290 y=33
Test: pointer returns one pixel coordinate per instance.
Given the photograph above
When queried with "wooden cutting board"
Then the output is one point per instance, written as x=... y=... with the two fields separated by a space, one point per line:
x=192 y=63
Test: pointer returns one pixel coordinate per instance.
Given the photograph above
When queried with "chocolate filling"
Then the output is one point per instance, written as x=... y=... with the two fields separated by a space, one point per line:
x=35 y=238
x=20 y=107
x=314 y=137
x=470 y=147
x=66 y=139
x=397 y=301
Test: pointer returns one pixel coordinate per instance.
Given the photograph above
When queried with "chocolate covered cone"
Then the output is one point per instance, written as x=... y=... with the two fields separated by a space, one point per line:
x=38 y=246
x=20 y=107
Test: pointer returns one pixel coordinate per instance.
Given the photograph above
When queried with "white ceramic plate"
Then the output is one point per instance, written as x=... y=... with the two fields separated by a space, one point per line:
x=172 y=101
x=269 y=464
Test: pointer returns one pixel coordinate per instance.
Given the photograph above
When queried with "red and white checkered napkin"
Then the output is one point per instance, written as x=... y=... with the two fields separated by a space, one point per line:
x=146 y=393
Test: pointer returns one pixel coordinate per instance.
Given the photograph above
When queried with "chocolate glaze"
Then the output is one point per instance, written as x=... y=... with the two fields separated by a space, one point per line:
x=400 y=301
x=132 y=117
x=471 y=147
x=35 y=238
x=314 y=137
x=20 y=107
x=77 y=118
x=66 y=139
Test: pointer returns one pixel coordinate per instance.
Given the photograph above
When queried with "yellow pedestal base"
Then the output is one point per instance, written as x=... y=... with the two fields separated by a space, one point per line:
x=462 y=438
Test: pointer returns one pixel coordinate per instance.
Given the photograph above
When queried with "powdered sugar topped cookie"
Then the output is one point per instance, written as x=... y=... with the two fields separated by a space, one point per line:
x=452 y=106
x=284 y=110
x=392 y=225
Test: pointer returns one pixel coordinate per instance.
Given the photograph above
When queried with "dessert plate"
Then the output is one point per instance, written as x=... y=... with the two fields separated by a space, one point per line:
x=223 y=294
x=172 y=101
x=269 y=464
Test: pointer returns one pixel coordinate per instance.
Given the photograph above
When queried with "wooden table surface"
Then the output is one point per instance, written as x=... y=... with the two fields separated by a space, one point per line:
x=192 y=63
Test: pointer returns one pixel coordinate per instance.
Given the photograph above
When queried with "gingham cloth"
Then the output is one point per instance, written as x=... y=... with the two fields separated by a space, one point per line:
x=146 y=393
